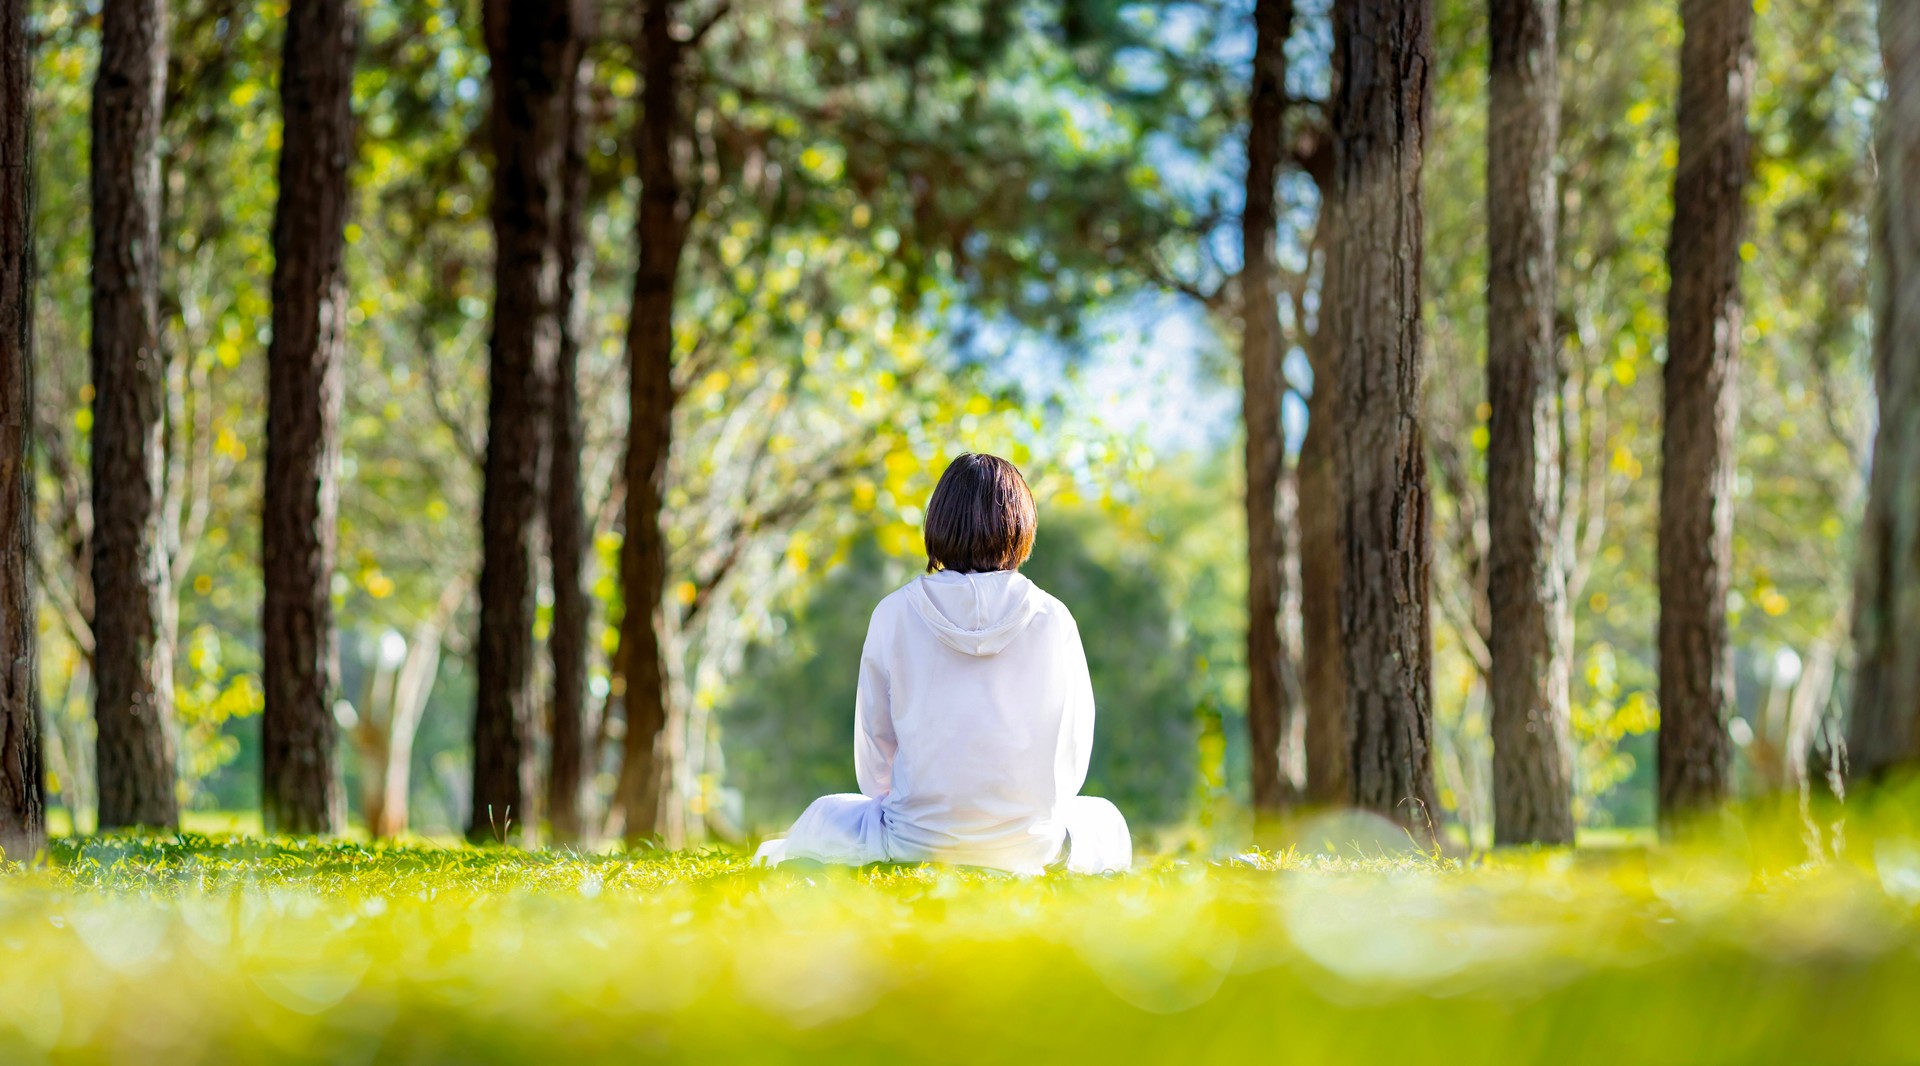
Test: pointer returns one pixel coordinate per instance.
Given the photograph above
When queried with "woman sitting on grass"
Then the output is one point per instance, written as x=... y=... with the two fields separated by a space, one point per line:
x=974 y=718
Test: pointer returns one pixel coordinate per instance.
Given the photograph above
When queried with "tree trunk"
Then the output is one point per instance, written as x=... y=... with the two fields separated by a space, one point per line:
x=1885 y=731
x=299 y=743
x=1273 y=696
x=1325 y=674
x=567 y=533
x=1527 y=575
x=133 y=655
x=1384 y=52
x=534 y=47
x=389 y=718
x=1323 y=649
x=661 y=233
x=23 y=801
x=1703 y=337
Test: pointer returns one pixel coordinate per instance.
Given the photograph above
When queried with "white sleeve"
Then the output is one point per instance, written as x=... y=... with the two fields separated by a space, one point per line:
x=1076 y=748
x=873 y=739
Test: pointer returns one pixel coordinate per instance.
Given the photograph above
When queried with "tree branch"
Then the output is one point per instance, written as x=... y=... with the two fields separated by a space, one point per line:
x=463 y=440
x=706 y=25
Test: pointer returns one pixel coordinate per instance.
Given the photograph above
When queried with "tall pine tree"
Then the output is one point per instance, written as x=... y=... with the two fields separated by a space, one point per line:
x=1384 y=55
x=1527 y=573
x=300 y=775
x=1703 y=340
x=133 y=653
x=1885 y=732
x=535 y=48
x=1273 y=689
x=661 y=233
x=22 y=788
x=568 y=531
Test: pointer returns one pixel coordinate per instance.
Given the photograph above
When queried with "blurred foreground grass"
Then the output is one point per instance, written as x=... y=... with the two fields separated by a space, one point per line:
x=222 y=949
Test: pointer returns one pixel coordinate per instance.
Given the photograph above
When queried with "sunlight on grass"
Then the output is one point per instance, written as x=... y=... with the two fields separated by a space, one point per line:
x=217 y=948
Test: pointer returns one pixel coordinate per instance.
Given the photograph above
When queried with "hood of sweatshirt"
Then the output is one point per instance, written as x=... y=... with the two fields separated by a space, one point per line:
x=978 y=614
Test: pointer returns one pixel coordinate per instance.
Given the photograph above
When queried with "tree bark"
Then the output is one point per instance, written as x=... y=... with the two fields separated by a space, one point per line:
x=661 y=231
x=1703 y=337
x=1322 y=647
x=534 y=47
x=1885 y=731
x=1384 y=52
x=23 y=802
x=1323 y=653
x=133 y=656
x=1273 y=696
x=299 y=743
x=567 y=530
x=1527 y=574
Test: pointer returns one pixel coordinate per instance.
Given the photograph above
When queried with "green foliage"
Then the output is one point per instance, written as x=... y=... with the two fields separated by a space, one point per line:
x=1605 y=722
x=1732 y=948
x=212 y=690
x=788 y=723
x=1145 y=675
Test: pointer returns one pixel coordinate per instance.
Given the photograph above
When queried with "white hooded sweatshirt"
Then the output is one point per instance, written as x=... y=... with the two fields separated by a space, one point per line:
x=973 y=726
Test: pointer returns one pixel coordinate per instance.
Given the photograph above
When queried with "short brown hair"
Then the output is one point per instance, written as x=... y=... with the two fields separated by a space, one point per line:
x=981 y=517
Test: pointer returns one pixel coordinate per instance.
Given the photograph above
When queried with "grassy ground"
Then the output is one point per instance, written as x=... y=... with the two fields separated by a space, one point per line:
x=223 y=948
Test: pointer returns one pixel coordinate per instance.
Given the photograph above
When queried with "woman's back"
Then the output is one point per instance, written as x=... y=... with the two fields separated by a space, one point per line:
x=975 y=718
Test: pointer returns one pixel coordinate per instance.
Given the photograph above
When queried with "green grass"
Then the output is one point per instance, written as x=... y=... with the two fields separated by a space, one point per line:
x=227 y=948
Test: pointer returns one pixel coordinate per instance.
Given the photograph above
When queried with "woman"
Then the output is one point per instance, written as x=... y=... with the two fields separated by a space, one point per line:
x=974 y=716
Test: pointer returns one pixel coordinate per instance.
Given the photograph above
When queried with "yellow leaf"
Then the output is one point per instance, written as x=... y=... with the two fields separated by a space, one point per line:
x=901 y=463
x=229 y=444
x=899 y=538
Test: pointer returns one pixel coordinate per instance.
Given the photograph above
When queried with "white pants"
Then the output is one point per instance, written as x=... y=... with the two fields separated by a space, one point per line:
x=847 y=829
